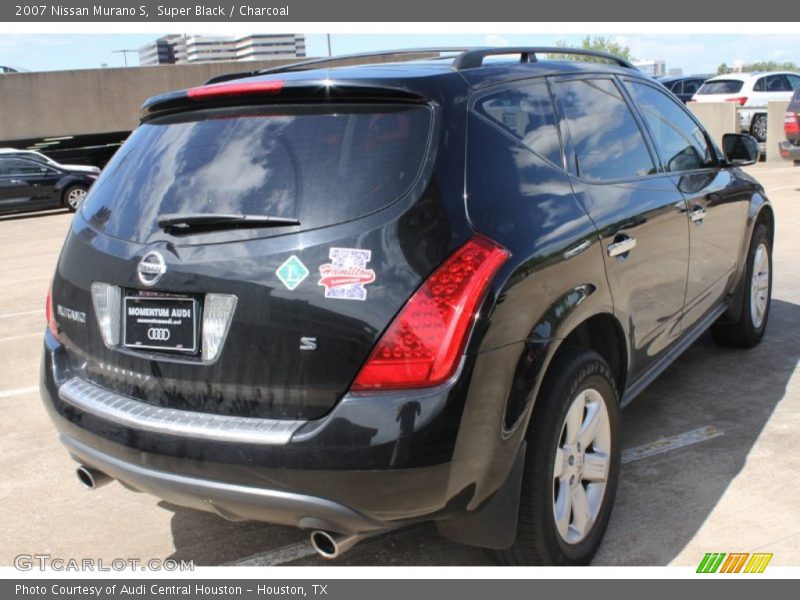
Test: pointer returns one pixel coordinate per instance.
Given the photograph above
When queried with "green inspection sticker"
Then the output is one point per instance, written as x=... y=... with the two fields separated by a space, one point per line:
x=292 y=272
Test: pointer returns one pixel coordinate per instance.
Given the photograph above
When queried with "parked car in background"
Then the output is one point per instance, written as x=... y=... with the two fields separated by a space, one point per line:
x=752 y=92
x=790 y=147
x=423 y=295
x=39 y=157
x=27 y=182
x=683 y=87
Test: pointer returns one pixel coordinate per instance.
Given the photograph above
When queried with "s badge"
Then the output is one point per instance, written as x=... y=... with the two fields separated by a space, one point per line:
x=347 y=274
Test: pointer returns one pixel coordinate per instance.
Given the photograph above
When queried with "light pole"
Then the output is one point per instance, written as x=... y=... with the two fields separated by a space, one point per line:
x=124 y=54
x=329 y=45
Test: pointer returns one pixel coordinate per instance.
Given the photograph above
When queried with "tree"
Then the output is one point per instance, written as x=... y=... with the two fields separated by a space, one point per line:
x=769 y=65
x=597 y=44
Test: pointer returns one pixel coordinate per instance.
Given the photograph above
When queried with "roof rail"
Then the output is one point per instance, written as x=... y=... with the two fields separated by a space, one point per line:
x=472 y=59
x=315 y=62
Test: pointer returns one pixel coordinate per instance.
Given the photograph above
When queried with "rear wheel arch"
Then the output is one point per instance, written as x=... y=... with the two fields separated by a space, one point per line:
x=602 y=333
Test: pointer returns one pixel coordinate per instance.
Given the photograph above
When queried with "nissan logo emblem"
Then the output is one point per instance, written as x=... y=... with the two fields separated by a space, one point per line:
x=151 y=268
x=160 y=334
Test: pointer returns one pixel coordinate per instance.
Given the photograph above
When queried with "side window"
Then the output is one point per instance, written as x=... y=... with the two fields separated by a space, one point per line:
x=526 y=113
x=691 y=86
x=606 y=139
x=794 y=80
x=778 y=83
x=679 y=141
x=17 y=166
x=761 y=85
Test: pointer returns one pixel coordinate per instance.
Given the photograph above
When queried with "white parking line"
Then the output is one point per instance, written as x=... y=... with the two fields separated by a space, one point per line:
x=22 y=313
x=672 y=442
x=278 y=556
x=298 y=550
x=18 y=391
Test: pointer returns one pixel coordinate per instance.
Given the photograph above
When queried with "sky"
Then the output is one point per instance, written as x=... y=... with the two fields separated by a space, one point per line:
x=697 y=53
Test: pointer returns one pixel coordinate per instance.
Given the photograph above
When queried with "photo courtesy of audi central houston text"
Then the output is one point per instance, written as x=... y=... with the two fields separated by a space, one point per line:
x=407 y=293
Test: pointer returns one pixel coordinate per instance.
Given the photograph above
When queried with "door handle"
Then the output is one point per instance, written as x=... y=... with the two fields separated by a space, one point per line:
x=697 y=215
x=621 y=246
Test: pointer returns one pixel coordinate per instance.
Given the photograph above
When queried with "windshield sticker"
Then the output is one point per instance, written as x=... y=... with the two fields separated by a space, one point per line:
x=347 y=274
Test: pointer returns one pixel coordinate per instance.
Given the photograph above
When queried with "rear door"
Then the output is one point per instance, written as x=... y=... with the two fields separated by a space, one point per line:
x=269 y=321
x=18 y=183
x=716 y=199
x=638 y=211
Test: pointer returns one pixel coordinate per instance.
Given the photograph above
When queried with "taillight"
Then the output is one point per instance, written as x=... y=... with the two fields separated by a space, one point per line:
x=50 y=313
x=235 y=89
x=791 y=124
x=739 y=100
x=424 y=343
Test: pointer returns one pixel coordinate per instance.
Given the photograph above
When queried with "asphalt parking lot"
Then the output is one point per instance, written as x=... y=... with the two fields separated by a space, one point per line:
x=711 y=463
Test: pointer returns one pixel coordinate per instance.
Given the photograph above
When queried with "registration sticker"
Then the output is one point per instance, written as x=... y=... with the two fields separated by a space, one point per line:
x=347 y=274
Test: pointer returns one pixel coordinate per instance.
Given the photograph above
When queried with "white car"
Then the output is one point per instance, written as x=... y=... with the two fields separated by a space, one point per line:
x=751 y=91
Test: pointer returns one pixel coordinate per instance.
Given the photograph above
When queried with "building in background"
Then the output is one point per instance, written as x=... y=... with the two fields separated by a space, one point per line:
x=654 y=68
x=675 y=72
x=172 y=49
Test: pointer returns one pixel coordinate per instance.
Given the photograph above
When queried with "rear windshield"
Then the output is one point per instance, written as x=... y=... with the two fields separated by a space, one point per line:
x=721 y=86
x=319 y=165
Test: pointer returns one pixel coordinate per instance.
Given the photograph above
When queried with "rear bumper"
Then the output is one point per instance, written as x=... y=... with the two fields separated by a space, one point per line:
x=231 y=501
x=789 y=150
x=371 y=464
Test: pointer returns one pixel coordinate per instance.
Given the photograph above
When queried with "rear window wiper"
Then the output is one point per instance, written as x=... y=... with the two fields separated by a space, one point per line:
x=216 y=221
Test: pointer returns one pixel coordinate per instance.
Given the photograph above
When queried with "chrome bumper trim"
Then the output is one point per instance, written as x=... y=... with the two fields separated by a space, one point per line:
x=127 y=411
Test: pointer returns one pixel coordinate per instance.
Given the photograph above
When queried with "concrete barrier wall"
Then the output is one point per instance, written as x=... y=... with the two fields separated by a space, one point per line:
x=717 y=117
x=56 y=103
x=776 y=112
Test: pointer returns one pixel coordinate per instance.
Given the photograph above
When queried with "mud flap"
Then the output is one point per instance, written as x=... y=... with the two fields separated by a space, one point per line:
x=495 y=525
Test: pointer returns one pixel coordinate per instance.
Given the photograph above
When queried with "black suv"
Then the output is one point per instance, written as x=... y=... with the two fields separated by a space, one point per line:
x=348 y=299
x=31 y=181
x=683 y=87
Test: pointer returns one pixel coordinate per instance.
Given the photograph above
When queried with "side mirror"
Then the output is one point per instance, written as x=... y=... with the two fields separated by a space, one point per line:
x=740 y=149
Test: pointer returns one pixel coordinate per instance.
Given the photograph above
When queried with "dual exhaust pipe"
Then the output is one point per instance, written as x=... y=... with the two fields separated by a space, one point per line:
x=327 y=544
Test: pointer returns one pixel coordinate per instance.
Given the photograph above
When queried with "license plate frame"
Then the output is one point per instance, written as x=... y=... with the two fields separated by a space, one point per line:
x=136 y=330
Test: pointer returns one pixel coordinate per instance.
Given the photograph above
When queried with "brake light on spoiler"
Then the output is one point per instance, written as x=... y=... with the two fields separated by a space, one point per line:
x=423 y=345
x=238 y=88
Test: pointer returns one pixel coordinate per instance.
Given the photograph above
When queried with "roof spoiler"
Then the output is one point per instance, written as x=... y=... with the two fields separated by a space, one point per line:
x=269 y=90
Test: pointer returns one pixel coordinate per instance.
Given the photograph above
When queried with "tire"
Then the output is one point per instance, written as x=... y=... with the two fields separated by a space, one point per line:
x=577 y=374
x=73 y=196
x=749 y=328
x=758 y=128
x=797 y=163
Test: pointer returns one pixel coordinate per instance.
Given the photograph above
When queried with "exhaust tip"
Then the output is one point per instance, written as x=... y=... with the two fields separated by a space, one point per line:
x=324 y=544
x=90 y=478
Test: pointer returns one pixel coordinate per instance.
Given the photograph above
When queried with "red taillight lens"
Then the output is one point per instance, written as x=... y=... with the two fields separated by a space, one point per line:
x=423 y=344
x=740 y=100
x=791 y=124
x=50 y=313
x=235 y=89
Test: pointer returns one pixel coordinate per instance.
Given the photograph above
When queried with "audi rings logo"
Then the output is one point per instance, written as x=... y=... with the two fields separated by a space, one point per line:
x=151 y=268
x=160 y=334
